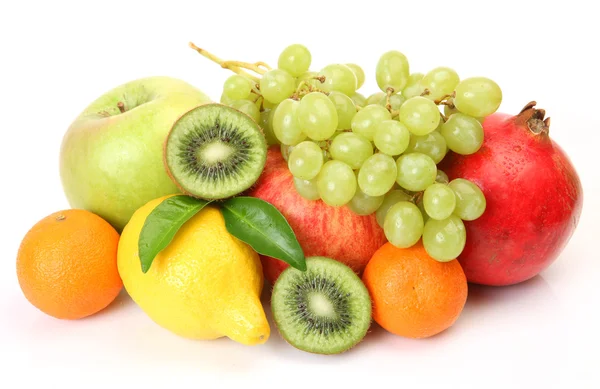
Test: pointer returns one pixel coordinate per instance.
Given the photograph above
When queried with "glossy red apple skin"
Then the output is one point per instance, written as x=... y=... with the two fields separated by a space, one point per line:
x=322 y=230
x=534 y=199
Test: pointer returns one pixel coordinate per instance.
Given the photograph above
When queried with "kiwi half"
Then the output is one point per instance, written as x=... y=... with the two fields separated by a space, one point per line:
x=325 y=309
x=214 y=152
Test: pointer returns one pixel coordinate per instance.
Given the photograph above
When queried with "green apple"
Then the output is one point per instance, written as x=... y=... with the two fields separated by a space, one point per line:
x=111 y=159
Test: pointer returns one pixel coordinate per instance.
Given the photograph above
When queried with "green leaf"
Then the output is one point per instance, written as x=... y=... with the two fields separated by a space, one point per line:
x=263 y=227
x=163 y=223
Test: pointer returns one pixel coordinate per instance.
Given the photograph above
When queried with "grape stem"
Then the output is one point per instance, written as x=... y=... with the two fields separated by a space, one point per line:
x=219 y=61
x=417 y=197
x=255 y=67
x=444 y=100
x=259 y=102
x=256 y=89
x=296 y=94
x=305 y=85
x=388 y=104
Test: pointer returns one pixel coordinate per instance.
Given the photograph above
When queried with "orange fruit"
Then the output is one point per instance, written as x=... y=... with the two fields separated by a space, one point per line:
x=67 y=264
x=413 y=294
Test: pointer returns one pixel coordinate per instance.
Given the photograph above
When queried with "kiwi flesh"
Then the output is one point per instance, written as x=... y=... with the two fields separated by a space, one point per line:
x=215 y=152
x=325 y=309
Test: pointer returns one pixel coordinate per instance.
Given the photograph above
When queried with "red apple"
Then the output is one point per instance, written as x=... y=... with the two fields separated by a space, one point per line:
x=322 y=230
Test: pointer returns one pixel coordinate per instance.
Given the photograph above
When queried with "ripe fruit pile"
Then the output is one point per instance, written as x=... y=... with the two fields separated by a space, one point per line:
x=312 y=213
x=376 y=154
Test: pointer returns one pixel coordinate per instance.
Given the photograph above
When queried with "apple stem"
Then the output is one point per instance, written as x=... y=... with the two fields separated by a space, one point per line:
x=231 y=66
x=121 y=106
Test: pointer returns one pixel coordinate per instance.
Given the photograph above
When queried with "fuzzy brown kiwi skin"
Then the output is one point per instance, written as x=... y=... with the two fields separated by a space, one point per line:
x=170 y=174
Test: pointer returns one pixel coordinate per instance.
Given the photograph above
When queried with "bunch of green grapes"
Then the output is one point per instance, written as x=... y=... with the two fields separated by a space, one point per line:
x=377 y=154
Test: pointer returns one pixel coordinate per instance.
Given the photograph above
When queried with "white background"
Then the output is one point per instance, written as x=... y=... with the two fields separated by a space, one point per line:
x=57 y=57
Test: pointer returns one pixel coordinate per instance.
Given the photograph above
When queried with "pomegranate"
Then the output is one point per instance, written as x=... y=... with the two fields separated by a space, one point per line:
x=334 y=232
x=534 y=199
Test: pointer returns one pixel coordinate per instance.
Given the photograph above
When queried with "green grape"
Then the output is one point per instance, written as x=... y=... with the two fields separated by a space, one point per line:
x=416 y=171
x=377 y=175
x=306 y=188
x=285 y=123
x=477 y=96
x=420 y=115
x=392 y=197
x=363 y=204
x=463 y=134
x=345 y=107
x=351 y=148
x=470 y=201
x=375 y=98
x=323 y=145
x=338 y=132
x=433 y=145
x=359 y=99
x=359 y=73
x=247 y=107
x=421 y=207
x=392 y=71
x=317 y=116
x=440 y=82
x=308 y=78
x=441 y=177
x=266 y=123
x=294 y=59
x=444 y=240
x=255 y=99
x=391 y=137
x=366 y=121
x=413 y=86
x=237 y=87
x=306 y=160
x=286 y=151
x=396 y=101
x=439 y=201
x=336 y=183
x=403 y=225
x=226 y=99
x=277 y=85
x=339 y=78
x=268 y=105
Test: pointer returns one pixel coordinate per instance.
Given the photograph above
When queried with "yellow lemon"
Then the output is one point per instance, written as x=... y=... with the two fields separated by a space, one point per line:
x=206 y=284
